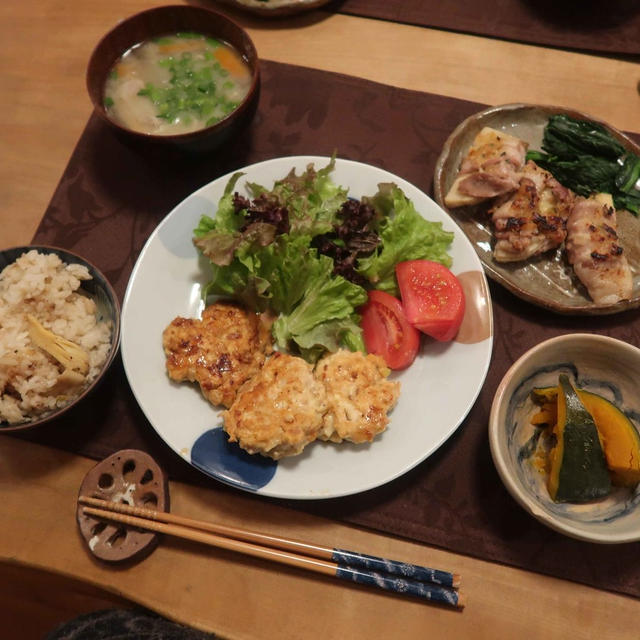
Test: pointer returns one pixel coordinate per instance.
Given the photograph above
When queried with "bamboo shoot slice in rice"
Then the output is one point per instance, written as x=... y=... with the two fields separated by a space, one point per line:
x=68 y=354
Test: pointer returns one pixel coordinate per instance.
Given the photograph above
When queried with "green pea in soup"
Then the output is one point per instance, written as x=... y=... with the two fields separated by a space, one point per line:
x=176 y=84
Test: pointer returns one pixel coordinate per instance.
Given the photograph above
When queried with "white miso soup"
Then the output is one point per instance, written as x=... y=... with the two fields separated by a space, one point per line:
x=176 y=84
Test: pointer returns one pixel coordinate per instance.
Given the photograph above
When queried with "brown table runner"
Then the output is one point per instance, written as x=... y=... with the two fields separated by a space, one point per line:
x=590 y=25
x=111 y=197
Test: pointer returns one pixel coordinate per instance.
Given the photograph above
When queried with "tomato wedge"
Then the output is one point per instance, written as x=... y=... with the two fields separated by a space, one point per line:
x=432 y=298
x=387 y=332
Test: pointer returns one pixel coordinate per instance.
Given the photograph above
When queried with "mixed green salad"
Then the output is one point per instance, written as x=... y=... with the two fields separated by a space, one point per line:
x=308 y=253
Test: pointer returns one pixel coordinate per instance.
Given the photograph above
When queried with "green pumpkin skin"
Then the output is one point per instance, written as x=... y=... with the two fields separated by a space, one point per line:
x=582 y=473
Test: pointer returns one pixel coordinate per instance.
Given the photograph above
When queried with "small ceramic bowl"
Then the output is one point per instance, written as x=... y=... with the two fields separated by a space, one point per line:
x=108 y=309
x=603 y=365
x=169 y=20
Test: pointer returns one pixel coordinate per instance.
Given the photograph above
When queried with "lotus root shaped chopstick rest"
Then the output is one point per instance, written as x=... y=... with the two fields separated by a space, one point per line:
x=131 y=477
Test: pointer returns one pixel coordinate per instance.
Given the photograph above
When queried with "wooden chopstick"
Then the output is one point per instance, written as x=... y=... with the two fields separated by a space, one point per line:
x=282 y=550
x=341 y=556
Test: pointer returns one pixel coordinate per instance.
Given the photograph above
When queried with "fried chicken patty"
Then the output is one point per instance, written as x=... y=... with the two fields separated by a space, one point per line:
x=279 y=411
x=220 y=352
x=359 y=396
x=277 y=405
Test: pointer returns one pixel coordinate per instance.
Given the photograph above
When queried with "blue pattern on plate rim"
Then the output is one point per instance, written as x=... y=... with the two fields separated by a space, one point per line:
x=216 y=456
x=520 y=435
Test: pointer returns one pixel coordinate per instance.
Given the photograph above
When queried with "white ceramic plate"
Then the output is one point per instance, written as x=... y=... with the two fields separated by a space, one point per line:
x=437 y=391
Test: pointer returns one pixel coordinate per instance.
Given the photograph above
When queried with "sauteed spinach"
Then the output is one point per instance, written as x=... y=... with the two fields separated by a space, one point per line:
x=583 y=156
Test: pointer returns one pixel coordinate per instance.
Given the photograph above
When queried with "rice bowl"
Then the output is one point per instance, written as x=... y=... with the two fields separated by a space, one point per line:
x=39 y=289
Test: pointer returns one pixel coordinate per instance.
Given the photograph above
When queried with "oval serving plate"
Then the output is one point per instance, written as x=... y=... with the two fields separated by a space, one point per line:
x=437 y=390
x=548 y=280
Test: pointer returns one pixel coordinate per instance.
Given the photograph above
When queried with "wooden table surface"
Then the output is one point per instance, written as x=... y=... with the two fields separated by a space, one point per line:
x=44 y=48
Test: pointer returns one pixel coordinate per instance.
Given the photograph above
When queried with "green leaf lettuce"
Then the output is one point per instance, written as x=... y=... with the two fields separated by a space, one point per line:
x=405 y=235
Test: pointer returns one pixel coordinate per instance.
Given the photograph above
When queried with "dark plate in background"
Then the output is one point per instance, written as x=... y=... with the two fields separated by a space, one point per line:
x=276 y=7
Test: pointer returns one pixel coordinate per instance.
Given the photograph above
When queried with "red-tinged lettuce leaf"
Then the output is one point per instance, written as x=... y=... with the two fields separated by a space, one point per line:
x=311 y=198
x=220 y=248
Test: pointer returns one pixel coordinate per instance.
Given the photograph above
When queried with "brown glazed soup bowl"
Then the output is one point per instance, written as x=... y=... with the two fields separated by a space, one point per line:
x=162 y=21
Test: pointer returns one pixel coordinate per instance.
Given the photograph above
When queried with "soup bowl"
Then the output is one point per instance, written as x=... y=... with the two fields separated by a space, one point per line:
x=165 y=21
x=595 y=363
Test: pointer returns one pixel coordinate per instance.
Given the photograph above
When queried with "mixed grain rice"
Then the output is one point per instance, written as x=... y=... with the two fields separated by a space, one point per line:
x=42 y=285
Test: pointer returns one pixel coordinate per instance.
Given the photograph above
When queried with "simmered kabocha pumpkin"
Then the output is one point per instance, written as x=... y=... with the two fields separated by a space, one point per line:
x=618 y=435
x=578 y=471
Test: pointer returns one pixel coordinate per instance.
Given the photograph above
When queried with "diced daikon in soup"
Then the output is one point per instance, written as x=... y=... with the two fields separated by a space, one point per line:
x=176 y=84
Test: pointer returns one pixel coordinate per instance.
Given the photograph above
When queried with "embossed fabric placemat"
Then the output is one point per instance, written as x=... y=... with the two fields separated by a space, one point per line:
x=111 y=196
x=590 y=25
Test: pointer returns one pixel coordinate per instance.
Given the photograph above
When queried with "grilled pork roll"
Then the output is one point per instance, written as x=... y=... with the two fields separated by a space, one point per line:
x=594 y=250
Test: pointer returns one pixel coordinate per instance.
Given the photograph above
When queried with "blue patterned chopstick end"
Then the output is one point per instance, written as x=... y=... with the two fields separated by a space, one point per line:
x=392 y=567
x=431 y=592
